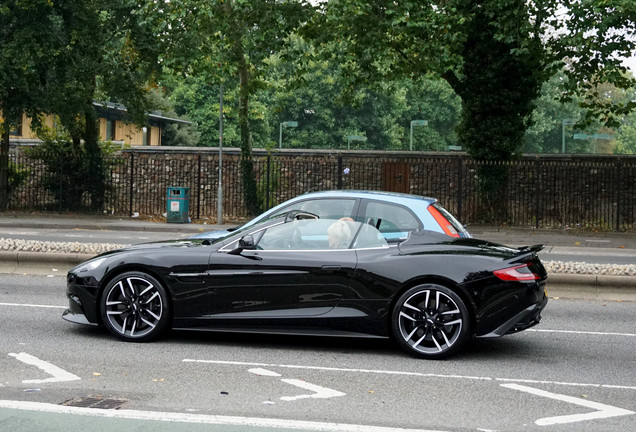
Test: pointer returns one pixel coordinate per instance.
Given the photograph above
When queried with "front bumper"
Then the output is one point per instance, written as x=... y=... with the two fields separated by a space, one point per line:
x=82 y=299
x=77 y=318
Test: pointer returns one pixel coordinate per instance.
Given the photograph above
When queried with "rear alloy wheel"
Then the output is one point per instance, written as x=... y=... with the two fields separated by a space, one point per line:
x=431 y=321
x=135 y=307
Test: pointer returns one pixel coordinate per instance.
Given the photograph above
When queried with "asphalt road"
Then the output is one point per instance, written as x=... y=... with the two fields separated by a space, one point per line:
x=575 y=371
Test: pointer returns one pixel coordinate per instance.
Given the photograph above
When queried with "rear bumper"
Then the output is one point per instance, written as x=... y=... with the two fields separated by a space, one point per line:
x=525 y=319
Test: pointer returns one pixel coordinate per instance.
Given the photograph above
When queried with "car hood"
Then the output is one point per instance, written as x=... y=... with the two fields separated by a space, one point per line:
x=157 y=245
x=213 y=235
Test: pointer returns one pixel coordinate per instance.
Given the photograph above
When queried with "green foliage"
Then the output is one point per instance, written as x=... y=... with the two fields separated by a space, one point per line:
x=68 y=175
x=216 y=39
x=496 y=54
x=626 y=136
x=66 y=169
x=17 y=176
x=28 y=30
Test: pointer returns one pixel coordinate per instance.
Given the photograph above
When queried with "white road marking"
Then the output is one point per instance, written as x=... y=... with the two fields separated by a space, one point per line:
x=59 y=374
x=318 y=391
x=201 y=418
x=601 y=410
x=33 y=305
x=263 y=372
x=582 y=332
x=417 y=374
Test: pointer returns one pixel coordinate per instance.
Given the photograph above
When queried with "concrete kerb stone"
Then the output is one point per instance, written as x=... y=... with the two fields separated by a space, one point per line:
x=40 y=258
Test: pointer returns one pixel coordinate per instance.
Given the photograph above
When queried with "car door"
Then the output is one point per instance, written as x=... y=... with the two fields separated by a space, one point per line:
x=291 y=273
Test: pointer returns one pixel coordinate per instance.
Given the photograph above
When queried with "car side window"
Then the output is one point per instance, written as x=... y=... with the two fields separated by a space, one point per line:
x=320 y=234
x=330 y=208
x=393 y=221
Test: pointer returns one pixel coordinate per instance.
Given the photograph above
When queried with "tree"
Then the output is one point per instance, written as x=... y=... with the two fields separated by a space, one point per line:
x=225 y=38
x=28 y=31
x=65 y=54
x=107 y=52
x=496 y=54
x=308 y=89
x=626 y=136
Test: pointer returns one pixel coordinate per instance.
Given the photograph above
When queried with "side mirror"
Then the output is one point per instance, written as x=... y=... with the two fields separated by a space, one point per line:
x=247 y=242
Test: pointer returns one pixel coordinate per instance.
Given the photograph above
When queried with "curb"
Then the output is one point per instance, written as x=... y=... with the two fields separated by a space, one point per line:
x=40 y=258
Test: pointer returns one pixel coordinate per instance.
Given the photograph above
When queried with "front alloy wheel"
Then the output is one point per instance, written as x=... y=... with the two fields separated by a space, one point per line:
x=134 y=307
x=431 y=321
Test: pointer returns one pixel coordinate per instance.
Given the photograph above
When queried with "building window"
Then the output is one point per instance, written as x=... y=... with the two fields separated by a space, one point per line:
x=146 y=137
x=110 y=130
x=17 y=131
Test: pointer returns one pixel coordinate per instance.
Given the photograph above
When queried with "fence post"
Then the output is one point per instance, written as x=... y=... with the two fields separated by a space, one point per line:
x=199 y=187
x=617 y=188
x=267 y=185
x=537 y=205
x=339 y=172
x=460 y=186
x=132 y=178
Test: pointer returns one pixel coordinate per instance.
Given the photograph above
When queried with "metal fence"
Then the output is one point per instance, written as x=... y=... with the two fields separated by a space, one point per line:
x=546 y=191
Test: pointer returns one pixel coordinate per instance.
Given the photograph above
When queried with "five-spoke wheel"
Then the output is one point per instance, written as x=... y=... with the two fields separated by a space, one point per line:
x=431 y=321
x=135 y=307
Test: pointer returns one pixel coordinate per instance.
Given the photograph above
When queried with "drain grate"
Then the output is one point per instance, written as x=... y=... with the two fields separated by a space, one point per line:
x=95 y=402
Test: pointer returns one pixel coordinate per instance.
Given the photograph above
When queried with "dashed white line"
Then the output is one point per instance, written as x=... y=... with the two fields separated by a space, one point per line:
x=202 y=419
x=594 y=333
x=33 y=305
x=404 y=373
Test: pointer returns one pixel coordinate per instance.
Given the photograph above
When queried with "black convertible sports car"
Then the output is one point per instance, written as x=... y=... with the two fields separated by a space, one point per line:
x=298 y=274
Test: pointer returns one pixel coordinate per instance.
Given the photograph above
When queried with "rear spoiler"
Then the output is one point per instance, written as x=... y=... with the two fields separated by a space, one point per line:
x=533 y=248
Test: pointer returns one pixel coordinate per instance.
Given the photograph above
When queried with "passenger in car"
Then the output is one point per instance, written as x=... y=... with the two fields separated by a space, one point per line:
x=339 y=234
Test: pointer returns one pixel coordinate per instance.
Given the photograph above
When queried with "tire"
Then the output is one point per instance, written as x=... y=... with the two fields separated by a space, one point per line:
x=431 y=321
x=135 y=307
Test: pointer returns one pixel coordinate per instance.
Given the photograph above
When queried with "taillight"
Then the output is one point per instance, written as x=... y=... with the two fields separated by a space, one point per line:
x=517 y=273
x=448 y=227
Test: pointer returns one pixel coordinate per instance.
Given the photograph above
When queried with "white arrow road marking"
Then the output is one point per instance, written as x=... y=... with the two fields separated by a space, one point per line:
x=319 y=392
x=58 y=373
x=602 y=410
x=263 y=372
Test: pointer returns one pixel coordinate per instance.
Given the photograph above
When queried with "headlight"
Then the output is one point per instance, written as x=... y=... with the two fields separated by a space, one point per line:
x=91 y=265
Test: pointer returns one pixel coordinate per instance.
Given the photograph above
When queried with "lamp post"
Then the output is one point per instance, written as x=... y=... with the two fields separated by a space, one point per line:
x=416 y=123
x=354 y=138
x=219 y=194
x=285 y=124
x=563 y=123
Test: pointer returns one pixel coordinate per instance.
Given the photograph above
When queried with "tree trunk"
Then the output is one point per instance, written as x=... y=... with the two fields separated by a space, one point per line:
x=96 y=182
x=4 y=168
x=250 y=194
